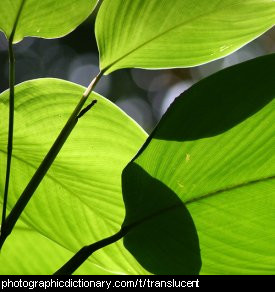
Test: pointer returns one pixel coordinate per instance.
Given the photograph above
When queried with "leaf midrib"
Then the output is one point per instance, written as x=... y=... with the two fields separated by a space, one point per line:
x=229 y=188
x=18 y=14
x=214 y=11
x=202 y=197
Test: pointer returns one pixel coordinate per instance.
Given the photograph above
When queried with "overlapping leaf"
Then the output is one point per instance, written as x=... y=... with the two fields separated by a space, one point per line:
x=79 y=200
x=204 y=182
x=178 y=33
x=43 y=18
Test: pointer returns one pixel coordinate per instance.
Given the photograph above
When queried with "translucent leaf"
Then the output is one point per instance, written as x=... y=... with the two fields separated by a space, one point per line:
x=42 y=18
x=79 y=201
x=179 y=33
x=200 y=195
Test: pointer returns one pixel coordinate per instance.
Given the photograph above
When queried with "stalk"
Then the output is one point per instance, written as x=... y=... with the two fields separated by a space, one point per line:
x=11 y=115
x=47 y=162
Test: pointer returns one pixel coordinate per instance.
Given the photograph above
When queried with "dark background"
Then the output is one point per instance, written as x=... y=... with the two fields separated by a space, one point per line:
x=143 y=94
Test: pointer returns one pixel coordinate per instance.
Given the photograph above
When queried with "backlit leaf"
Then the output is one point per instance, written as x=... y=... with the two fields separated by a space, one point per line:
x=43 y=18
x=177 y=33
x=80 y=200
x=204 y=182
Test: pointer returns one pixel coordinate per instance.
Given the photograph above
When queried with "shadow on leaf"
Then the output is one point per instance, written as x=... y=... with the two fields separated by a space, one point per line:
x=218 y=102
x=162 y=235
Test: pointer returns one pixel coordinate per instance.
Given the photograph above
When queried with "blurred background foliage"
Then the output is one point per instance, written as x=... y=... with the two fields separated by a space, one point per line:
x=143 y=94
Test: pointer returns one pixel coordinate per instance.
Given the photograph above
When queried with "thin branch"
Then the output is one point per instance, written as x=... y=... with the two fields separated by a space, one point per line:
x=11 y=115
x=45 y=164
x=10 y=132
x=84 y=253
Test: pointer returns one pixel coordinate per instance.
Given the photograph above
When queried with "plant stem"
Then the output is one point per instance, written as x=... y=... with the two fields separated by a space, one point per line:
x=10 y=132
x=45 y=164
x=11 y=115
x=84 y=253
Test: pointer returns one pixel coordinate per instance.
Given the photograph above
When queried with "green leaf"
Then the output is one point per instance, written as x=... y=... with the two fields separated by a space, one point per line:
x=80 y=200
x=179 y=33
x=43 y=18
x=204 y=181
x=29 y=252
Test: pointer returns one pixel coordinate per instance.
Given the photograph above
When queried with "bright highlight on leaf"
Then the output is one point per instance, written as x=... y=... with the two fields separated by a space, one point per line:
x=218 y=204
x=43 y=18
x=179 y=33
x=80 y=199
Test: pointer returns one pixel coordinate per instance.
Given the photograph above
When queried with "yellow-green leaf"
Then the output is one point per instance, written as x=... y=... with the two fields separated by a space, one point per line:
x=42 y=18
x=177 y=33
